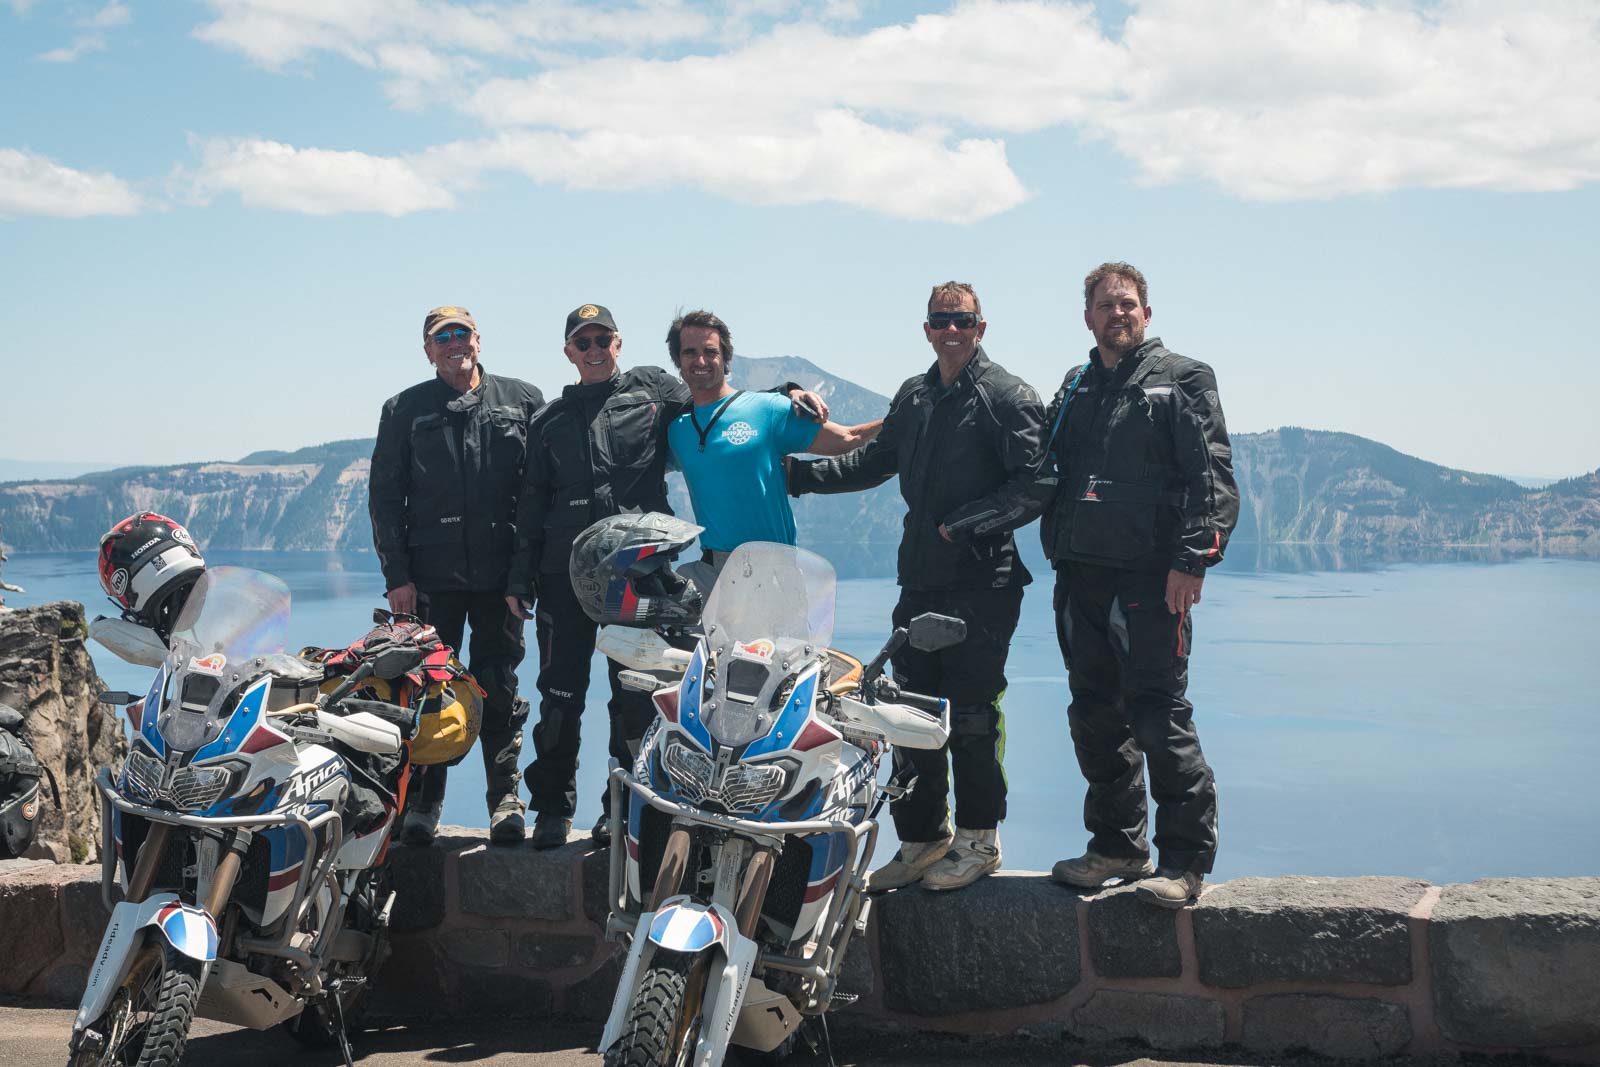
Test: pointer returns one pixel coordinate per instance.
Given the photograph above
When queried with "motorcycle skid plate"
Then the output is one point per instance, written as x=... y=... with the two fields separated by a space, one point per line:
x=766 y=1019
x=236 y=995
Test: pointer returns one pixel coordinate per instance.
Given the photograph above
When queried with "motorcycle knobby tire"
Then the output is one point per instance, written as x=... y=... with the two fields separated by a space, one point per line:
x=655 y=1022
x=150 y=1012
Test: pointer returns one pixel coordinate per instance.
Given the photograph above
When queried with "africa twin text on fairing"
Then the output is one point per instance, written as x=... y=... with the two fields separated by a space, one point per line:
x=739 y=854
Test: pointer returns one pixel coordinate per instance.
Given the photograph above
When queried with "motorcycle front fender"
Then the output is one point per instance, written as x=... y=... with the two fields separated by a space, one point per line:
x=725 y=990
x=187 y=928
x=684 y=925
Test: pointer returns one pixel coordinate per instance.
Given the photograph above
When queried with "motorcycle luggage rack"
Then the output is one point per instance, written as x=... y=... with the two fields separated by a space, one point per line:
x=310 y=874
x=822 y=963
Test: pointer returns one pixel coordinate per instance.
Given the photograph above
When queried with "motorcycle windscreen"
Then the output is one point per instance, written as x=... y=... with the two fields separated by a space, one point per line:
x=237 y=611
x=769 y=603
x=234 y=616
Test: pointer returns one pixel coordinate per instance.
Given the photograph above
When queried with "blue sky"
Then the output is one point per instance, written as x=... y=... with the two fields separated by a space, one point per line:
x=222 y=221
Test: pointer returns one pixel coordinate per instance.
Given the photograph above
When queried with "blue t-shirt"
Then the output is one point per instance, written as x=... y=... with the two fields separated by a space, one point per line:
x=736 y=485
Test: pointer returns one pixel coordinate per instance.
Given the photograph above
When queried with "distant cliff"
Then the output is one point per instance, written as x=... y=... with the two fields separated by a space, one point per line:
x=1299 y=487
x=1316 y=487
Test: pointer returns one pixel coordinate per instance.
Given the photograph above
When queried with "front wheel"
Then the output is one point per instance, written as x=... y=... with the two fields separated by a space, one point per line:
x=147 y=1024
x=663 y=1025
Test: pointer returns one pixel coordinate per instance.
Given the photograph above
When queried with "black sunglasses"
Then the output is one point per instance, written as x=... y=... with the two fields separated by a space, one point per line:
x=963 y=320
x=603 y=340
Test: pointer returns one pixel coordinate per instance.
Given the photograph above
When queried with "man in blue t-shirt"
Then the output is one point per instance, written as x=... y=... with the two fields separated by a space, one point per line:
x=730 y=445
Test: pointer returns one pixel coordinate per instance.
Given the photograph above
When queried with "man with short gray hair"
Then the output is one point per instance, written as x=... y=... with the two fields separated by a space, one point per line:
x=443 y=496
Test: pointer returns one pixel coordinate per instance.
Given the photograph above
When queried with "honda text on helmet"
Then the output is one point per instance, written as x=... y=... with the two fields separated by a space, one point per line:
x=148 y=564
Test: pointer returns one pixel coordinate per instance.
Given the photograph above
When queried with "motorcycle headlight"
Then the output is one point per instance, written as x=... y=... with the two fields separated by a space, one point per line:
x=690 y=771
x=749 y=786
x=141 y=776
x=201 y=787
x=189 y=788
x=742 y=786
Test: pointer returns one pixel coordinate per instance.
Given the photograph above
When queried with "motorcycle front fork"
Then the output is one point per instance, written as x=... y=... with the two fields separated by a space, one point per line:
x=751 y=893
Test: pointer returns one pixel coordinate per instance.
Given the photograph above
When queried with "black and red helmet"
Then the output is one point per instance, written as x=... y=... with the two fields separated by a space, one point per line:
x=148 y=564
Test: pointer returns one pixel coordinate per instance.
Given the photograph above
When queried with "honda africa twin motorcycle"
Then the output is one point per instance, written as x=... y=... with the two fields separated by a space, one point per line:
x=737 y=870
x=253 y=886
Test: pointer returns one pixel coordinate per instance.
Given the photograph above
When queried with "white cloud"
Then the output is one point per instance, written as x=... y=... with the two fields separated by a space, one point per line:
x=275 y=32
x=21 y=6
x=312 y=180
x=75 y=51
x=1315 y=98
x=31 y=184
x=114 y=13
x=1267 y=99
x=839 y=158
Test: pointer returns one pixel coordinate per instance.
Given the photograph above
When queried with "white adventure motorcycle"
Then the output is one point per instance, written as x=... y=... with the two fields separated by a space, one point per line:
x=739 y=856
x=248 y=830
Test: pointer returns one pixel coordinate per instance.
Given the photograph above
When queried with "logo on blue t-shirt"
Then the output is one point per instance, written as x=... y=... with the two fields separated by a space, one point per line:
x=739 y=433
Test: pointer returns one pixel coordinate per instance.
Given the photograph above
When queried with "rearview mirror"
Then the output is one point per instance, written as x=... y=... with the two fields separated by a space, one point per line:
x=931 y=632
x=119 y=697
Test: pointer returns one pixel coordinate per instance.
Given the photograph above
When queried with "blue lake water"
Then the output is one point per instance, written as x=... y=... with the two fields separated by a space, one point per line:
x=1433 y=720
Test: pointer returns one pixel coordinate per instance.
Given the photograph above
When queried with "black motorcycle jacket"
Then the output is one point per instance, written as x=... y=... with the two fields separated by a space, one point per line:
x=597 y=450
x=443 y=489
x=1144 y=466
x=968 y=457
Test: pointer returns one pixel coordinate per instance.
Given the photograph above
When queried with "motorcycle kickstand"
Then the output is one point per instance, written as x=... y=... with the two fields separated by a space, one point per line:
x=344 y=1038
x=827 y=1041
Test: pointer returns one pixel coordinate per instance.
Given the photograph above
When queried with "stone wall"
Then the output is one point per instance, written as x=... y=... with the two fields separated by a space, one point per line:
x=1353 y=968
x=46 y=673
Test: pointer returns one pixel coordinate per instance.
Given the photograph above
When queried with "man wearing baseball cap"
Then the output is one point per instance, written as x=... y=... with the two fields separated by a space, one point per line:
x=443 y=496
x=596 y=450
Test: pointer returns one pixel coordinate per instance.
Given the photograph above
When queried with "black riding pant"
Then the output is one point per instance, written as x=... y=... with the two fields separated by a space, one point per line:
x=972 y=676
x=496 y=648
x=1127 y=662
x=566 y=645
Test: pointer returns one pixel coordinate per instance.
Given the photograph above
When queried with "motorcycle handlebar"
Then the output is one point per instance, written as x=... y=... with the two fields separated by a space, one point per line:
x=920 y=702
x=350 y=684
x=392 y=713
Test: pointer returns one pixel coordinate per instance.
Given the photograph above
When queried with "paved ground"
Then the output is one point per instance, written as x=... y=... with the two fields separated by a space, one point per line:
x=37 y=1037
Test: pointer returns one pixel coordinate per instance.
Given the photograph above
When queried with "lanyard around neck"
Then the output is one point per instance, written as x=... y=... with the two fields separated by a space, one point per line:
x=715 y=415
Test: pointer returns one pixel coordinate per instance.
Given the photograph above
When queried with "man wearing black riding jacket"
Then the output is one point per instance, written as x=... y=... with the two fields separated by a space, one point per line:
x=445 y=472
x=598 y=449
x=966 y=440
x=1144 y=504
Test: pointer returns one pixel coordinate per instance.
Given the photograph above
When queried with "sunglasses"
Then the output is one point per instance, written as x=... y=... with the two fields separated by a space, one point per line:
x=444 y=336
x=601 y=340
x=962 y=320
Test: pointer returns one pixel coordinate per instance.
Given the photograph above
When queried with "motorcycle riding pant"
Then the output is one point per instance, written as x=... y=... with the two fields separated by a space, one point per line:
x=566 y=645
x=495 y=649
x=971 y=675
x=1127 y=662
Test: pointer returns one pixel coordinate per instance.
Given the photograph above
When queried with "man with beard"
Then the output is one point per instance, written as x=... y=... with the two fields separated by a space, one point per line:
x=443 y=495
x=965 y=439
x=597 y=450
x=1144 y=504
